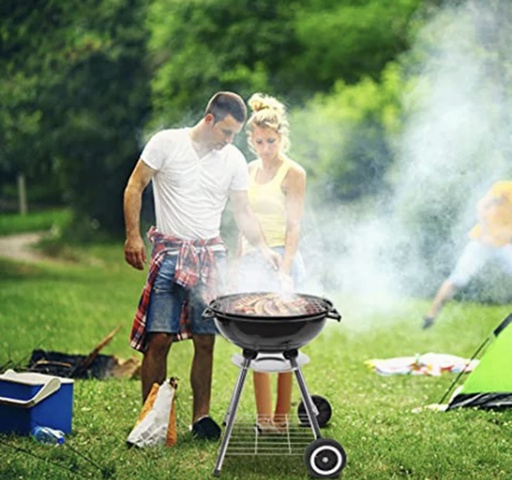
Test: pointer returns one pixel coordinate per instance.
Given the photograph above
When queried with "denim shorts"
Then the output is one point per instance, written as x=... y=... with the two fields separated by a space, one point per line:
x=165 y=305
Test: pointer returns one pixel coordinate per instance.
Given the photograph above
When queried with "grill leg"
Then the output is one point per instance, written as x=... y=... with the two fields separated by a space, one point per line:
x=230 y=406
x=306 y=397
x=231 y=413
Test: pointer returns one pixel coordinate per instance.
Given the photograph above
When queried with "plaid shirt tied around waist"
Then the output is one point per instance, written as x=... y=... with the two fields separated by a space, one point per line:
x=195 y=267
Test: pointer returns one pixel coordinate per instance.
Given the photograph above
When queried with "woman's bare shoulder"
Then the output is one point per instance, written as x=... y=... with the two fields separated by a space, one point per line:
x=296 y=169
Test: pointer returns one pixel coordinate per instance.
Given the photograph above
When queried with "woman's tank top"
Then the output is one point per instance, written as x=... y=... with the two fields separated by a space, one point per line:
x=268 y=203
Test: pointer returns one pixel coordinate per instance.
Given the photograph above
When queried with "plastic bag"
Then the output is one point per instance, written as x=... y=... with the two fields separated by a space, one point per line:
x=156 y=424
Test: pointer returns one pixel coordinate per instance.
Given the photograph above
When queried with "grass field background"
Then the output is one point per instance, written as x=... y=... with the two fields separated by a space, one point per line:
x=70 y=306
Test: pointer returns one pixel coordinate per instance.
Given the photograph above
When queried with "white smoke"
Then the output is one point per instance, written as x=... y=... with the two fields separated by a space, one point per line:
x=455 y=143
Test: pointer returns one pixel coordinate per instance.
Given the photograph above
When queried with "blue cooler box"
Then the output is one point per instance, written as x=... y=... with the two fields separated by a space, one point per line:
x=29 y=399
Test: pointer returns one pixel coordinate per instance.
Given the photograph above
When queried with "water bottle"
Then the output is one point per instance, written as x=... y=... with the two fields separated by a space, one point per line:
x=48 y=435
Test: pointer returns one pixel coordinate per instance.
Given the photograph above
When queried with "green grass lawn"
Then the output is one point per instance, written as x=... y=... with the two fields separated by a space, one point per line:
x=69 y=307
x=11 y=223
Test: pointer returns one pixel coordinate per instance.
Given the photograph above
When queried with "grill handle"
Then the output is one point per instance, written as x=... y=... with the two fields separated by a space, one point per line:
x=208 y=313
x=333 y=313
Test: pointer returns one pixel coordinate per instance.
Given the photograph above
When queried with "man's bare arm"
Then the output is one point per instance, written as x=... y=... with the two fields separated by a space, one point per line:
x=249 y=226
x=134 y=248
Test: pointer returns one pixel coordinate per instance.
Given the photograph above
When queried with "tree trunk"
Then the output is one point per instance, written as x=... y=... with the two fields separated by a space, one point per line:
x=22 y=194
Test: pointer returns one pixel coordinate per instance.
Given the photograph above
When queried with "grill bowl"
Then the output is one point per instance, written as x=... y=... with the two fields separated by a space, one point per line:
x=270 y=334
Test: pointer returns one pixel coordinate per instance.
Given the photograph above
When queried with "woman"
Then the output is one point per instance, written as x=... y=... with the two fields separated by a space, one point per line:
x=276 y=191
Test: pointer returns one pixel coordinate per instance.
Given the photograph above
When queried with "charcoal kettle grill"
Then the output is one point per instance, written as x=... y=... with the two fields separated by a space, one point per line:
x=273 y=335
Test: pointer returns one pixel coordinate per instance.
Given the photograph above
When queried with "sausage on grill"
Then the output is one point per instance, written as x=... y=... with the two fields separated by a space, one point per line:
x=269 y=305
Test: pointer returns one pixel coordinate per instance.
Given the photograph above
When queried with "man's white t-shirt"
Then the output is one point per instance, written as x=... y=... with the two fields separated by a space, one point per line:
x=191 y=192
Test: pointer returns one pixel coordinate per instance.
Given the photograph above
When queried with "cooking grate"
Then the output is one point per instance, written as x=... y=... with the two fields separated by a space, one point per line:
x=297 y=303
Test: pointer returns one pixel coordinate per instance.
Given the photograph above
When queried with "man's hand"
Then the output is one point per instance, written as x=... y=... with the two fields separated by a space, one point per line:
x=135 y=252
x=272 y=258
x=286 y=282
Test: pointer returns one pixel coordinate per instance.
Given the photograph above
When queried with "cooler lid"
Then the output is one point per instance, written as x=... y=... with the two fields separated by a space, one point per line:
x=30 y=378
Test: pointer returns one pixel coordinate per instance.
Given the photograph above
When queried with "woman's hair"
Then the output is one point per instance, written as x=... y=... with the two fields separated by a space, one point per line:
x=268 y=112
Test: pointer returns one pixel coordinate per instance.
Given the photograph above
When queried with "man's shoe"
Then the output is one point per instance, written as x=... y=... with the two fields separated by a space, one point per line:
x=427 y=322
x=206 y=429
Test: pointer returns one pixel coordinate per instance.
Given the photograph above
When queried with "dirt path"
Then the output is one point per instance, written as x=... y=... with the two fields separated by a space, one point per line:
x=20 y=247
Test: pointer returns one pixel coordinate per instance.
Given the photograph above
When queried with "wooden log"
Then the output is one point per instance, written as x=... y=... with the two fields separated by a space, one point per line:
x=87 y=361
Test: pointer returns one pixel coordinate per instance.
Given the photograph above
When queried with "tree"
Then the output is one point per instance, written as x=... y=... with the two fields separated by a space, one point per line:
x=201 y=46
x=350 y=40
x=83 y=86
x=345 y=139
x=290 y=49
x=22 y=150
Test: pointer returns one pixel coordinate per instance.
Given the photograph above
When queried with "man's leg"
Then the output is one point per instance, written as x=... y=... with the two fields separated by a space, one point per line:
x=163 y=317
x=201 y=374
x=445 y=293
x=154 y=362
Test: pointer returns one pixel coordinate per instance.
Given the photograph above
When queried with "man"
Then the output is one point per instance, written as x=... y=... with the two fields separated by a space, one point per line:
x=193 y=171
x=490 y=238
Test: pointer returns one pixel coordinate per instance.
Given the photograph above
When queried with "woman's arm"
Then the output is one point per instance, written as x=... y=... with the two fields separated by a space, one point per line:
x=294 y=186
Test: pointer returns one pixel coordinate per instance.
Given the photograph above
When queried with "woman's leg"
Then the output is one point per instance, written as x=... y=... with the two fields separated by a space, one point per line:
x=263 y=395
x=284 y=399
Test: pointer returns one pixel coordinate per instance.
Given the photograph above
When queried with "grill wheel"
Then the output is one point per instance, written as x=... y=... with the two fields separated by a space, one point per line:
x=325 y=458
x=324 y=411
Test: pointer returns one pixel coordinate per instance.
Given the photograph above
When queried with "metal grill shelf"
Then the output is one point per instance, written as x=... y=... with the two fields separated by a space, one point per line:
x=246 y=440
